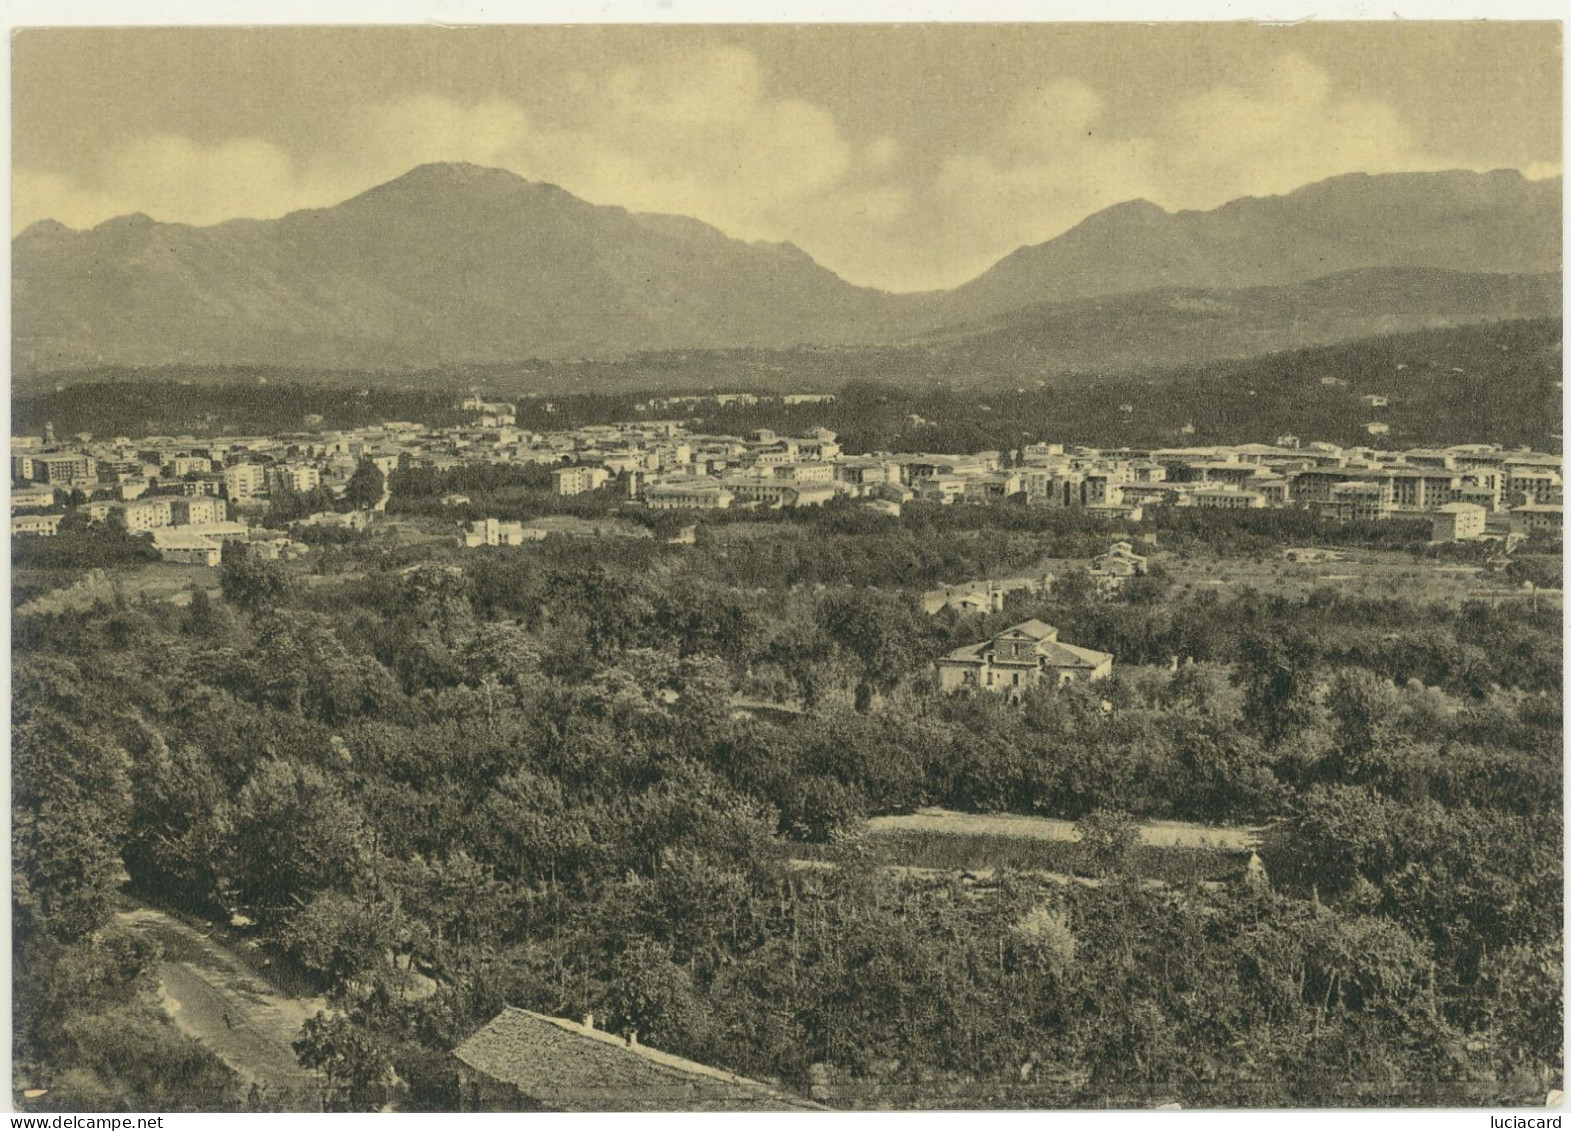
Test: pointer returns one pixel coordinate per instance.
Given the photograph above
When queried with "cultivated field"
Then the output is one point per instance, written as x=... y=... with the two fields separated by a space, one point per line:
x=946 y=841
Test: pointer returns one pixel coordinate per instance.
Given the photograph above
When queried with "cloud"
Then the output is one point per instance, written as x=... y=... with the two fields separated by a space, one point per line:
x=701 y=133
x=881 y=153
x=175 y=179
x=1048 y=165
x=169 y=178
x=49 y=196
x=695 y=133
x=1057 y=157
x=382 y=141
x=1052 y=113
x=204 y=184
x=1287 y=129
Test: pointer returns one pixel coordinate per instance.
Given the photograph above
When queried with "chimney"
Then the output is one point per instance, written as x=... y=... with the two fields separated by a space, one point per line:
x=589 y=1021
x=632 y=1038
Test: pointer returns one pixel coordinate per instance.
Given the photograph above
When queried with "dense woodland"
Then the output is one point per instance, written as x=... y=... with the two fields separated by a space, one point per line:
x=1492 y=383
x=435 y=783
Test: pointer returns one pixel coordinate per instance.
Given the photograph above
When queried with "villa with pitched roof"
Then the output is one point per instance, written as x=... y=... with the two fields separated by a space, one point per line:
x=1023 y=656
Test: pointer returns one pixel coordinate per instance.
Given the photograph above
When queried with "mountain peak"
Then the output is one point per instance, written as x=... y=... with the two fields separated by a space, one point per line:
x=1139 y=212
x=785 y=249
x=459 y=172
x=45 y=229
x=129 y=220
x=437 y=182
x=1139 y=206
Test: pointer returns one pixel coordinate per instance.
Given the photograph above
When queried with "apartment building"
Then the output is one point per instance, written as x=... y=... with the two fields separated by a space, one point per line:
x=1359 y=500
x=62 y=468
x=293 y=477
x=245 y=481
x=579 y=479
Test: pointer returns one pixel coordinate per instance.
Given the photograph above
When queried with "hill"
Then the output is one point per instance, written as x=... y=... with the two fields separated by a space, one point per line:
x=1471 y=384
x=1184 y=326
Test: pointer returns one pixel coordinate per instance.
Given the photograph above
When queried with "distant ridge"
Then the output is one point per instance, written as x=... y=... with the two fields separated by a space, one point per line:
x=1498 y=222
x=1188 y=325
x=464 y=264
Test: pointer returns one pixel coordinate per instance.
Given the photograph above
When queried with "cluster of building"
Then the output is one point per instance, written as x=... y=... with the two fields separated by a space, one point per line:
x=702 y=401
x=1468 y=490
x=176 y=483
x=187 y=494
x=1108 y=572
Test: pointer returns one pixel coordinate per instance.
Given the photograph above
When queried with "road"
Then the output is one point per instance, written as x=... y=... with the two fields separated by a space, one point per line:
x=213 y=994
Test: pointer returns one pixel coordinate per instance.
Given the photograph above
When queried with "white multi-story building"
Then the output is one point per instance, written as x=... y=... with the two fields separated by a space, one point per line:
x=577 y=480
x=494 y=532
x=245 y=481
x=1458 y=522
x=698 y=494
x=296 y=477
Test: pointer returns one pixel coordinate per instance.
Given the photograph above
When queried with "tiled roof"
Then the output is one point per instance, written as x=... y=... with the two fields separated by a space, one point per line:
x=569 y=1067
x=1071 y=656
x=1055 y=654
x=969 y=653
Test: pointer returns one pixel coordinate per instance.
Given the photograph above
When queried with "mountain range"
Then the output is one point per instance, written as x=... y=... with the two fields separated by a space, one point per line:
x=460 y=264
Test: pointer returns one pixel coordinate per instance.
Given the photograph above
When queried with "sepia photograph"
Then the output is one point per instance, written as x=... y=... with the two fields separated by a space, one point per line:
x=786 y=568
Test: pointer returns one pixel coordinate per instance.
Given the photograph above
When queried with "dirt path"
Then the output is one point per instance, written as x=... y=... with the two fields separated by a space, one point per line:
x=1157 y=834
x=213 y=995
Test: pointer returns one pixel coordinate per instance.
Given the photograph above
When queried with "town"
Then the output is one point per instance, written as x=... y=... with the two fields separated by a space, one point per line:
x=194 y=495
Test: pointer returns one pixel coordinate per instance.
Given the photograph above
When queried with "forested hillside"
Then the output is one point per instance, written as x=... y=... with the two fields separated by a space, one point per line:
x=1473 y=384
x=436 y=782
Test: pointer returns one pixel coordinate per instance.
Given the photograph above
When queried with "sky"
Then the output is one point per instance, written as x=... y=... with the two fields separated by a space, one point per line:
x=903 y=157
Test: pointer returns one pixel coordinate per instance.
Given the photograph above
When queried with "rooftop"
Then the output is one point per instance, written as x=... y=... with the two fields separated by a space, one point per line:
x=574 y=1067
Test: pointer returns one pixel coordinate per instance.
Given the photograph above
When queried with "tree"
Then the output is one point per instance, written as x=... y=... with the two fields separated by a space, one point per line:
x=881 y=633
x=1542 y=571
x=1364 y=713
x=654 y=998
x=206 y=619
x=1276 y=673
x=1042 y=938
x=357 y=1065
x=365 y=486
x=1109 y=840
x=178 y=824
x=1074 y=588
x=251 y=584
x=339 y=938
x=292 y=836
x=286 y=506
x=1148 y=588
x=70 y=804
x=1525 y=994
x=65 y=873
